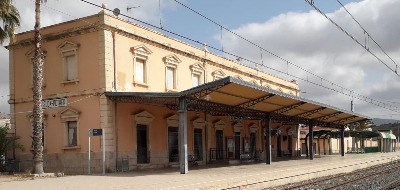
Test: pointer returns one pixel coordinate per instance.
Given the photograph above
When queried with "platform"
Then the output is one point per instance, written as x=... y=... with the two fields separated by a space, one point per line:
x=253 y=175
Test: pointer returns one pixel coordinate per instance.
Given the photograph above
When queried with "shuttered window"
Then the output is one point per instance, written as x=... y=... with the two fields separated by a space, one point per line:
x=170 y=78
x=72 y=133
x=139 y=70
x=71 y=67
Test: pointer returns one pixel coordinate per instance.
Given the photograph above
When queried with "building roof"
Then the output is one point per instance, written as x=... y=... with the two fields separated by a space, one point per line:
x=242 y=99
x=387 y=135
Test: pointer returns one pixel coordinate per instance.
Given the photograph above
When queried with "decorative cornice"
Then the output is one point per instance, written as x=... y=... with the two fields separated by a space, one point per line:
x=97 y=27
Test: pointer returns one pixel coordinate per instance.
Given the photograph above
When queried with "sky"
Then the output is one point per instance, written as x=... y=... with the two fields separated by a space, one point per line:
x=290 y=29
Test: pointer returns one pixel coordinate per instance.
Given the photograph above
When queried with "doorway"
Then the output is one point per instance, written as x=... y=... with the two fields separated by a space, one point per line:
x=173 y=146
x=252 y=145
x=198 y=144
x=237 y=145
x=279 y=145
x=142 y=146
x=290 y=144
x=219 y=144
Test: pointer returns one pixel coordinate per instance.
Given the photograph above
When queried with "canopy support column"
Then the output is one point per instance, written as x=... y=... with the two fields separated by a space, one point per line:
x=342 y=140
x=268 y=138
x=183 y=158
x=311 y=140
x=306 y=142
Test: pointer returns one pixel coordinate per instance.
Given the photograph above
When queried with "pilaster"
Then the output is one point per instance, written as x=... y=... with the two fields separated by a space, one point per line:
x=105 y=46
x=106 y=123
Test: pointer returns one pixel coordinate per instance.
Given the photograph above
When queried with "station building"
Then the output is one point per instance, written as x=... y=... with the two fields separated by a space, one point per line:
x=159 y=101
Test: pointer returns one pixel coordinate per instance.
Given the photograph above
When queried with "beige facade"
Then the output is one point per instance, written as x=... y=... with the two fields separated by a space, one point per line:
x=102 y=53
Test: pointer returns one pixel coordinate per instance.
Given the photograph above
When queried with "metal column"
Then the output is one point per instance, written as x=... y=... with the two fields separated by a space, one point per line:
x=306 y=142
x=268 y=138
x=183 y=158
x=311 y=140
x=342 y=140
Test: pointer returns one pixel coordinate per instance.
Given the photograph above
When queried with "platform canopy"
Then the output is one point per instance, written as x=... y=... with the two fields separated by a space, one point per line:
x=337 y=134
x=244 y=100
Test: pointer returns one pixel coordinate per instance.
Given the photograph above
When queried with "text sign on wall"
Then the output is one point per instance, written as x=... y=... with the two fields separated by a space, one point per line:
x=54 y=103
x=97 y=132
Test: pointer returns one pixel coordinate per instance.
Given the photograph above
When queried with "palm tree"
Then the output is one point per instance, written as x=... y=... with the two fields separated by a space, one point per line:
x=37 y=134
x=10 y=19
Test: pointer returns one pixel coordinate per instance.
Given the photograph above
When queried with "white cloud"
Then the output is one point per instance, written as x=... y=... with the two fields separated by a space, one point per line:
x=312 y=42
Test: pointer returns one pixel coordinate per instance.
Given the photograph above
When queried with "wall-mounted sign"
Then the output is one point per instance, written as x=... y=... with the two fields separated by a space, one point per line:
x=54 y=103
x=97 y=132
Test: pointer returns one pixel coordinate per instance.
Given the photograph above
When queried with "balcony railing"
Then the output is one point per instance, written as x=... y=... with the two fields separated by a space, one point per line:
x=225 y=154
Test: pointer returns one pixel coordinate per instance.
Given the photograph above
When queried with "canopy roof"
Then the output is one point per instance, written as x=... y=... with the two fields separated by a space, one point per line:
x=337 y=134
x=387 y=135
x=238 y=98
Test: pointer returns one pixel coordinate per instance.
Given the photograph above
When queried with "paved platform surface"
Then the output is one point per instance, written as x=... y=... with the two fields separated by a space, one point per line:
x=253 y=175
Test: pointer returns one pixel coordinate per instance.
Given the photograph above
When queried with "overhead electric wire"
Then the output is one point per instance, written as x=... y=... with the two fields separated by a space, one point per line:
x=283 y=59
x=369 y=36
x=311 y=3
x=360 y=97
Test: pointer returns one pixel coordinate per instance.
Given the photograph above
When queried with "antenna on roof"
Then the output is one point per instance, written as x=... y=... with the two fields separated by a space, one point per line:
x=129 y=8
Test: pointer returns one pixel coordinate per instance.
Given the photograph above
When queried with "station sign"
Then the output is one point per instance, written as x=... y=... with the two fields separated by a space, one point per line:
x=54 y=103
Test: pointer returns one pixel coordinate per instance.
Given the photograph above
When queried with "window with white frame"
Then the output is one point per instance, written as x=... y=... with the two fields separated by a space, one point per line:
x=171 y=76
x=70 y=118
x=140 y=75
x=70 y=67
x=254 y=82
x=218 y=74
x=72 y=127
x=238 y=77
x=140 y=64
x=195 y=79
x=69 y=52
x=197 y=74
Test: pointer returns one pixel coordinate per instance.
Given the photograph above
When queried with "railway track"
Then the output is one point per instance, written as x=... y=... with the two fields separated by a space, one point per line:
x=395 y=184
x=348 y=179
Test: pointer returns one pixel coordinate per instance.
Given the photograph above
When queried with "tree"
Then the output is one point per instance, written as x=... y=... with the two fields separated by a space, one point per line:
x=361 y=126
x=37 y=134
x=8 y=143
x=9 y=17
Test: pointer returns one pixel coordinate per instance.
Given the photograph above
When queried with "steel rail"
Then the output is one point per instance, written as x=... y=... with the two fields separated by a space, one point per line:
x=392 y=185
x=347 y=174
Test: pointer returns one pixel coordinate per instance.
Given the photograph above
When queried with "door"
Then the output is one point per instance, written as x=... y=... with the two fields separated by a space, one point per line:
x=290 y=144
x=198 y=144
x=141 y=136
x=173 y=146
x=237 y=145
x=219 y=144
x=303 y=148
x=252 y=145
x=279 y=148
